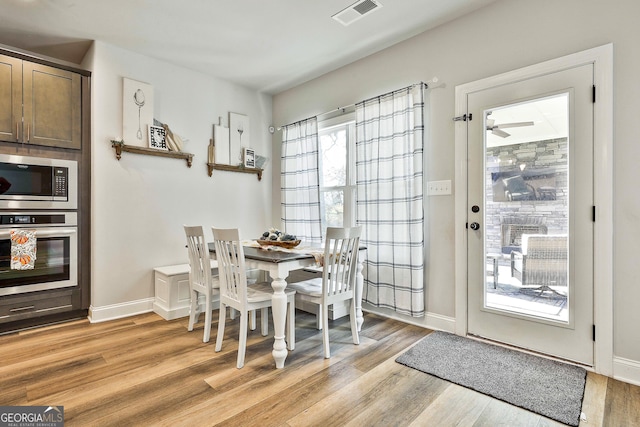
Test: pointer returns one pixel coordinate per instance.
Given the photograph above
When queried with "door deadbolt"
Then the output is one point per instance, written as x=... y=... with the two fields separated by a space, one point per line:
x=474 y=226
x=475 y=209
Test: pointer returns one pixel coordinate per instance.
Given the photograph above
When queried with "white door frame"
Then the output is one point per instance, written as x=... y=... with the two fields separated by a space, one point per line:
x=602 y=58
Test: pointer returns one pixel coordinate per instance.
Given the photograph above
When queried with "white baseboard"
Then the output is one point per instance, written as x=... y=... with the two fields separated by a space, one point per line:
x=118 y=311
x=441 y=323
x=626 y=370
x=431 y=320
x=170 y=314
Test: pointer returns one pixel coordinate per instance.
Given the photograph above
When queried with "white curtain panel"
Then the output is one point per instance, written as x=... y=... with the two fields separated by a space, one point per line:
x=299 y=177
x=389 y=202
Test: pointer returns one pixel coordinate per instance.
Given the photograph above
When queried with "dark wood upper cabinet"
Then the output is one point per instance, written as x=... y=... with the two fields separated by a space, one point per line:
x=10 y=98
x=39 y=104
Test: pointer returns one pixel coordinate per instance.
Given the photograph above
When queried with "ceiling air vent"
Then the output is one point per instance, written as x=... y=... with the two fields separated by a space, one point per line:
x=356 y=11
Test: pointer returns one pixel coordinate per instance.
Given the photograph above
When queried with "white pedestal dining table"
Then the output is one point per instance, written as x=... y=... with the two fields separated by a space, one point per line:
x=278 y=264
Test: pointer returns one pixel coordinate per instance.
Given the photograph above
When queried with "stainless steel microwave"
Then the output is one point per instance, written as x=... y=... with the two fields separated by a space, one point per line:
x=38 y=183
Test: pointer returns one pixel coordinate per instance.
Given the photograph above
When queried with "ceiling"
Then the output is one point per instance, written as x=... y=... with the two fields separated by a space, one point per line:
x=268 y=46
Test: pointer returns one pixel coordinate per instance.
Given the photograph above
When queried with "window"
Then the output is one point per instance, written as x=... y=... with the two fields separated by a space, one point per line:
x=337 y=171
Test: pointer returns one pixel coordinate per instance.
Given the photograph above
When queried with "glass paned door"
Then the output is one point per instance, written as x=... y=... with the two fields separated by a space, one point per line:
x=530 y=202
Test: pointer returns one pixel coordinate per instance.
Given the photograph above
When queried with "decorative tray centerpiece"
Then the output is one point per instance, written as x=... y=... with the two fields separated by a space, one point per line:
x=275 y=237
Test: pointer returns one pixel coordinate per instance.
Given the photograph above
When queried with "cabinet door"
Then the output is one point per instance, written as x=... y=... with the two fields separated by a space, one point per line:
x=52 y=106
x=10 y=98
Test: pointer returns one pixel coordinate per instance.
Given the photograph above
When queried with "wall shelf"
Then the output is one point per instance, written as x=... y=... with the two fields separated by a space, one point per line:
x=151 y=152
x=216 y=166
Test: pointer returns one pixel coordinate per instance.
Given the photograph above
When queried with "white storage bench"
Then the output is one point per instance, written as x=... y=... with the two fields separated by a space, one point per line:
x=172 y=296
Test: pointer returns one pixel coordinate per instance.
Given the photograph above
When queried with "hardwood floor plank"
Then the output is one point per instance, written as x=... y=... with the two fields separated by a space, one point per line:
x=151 y=401
x=391 y=346
x=378 y=328
x=59 y=374
x=12 y=395
x=228 y=376
x=455 y=406
x=274 y=409
x=58 y=381
x=95 y=391
x=405 y=395
x=595 y=393
x=499 y=413
x=622 y=406
x=359 y=403
x=271 y=382
x=16 y=348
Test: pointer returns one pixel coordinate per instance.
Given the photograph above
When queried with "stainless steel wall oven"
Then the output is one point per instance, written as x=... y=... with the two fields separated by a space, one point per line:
x=56 y=262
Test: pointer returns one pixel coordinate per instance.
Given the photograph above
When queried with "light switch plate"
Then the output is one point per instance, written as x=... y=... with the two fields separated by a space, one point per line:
x=439 y=188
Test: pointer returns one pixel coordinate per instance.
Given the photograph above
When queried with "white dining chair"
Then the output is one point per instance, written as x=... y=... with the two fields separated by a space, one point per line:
x=201 y=281
x=235 y=293
x=340 y=262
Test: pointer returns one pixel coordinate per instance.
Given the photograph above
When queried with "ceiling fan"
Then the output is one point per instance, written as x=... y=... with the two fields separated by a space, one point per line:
x=497 y=129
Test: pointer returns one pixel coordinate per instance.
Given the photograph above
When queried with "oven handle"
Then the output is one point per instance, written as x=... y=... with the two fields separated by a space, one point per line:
x=5 y=234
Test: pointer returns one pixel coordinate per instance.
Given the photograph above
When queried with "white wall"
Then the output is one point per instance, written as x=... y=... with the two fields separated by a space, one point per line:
x=140 y=203
x=506 y=35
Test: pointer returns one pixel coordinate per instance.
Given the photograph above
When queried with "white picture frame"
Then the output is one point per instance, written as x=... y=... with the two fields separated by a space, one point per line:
x=249 y=158
x=137 y=112
x=239 y=137
x=158 y=138
x=221 y=143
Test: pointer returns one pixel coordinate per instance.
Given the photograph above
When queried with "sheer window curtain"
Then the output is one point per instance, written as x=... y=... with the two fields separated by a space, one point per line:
x=389 y=202
x=300 y=187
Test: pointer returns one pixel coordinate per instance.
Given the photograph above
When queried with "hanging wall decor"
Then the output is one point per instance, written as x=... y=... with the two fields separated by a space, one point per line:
x=221 y=143
x=137 y=112
x=239 y=137
x=158 y=138
x=249 y=158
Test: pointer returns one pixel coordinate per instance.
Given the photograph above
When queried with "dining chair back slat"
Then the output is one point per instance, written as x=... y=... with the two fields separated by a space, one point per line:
x=230 y=254
x=200 y=278
x=340 y=257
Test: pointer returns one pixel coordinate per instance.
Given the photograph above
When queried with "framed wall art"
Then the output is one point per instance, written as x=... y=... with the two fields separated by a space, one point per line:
x=221 y=141
x=249 y=158
x=239 y=137
x=158 y=138
x=137 y=112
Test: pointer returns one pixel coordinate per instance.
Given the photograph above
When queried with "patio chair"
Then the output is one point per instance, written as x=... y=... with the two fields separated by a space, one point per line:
x=542 y=262
x=516 y=189
x=511 y=234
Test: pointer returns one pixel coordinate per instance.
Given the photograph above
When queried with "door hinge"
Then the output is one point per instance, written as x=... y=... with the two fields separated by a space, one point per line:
x=593 y=213
x=594 y=333
x=463 y=118
x=594 y=94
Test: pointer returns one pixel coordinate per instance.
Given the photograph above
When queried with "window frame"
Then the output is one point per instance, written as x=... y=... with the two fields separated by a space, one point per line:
x=348 y=121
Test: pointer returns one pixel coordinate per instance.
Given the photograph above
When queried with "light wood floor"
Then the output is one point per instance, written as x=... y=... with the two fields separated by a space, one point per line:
x=143 y=371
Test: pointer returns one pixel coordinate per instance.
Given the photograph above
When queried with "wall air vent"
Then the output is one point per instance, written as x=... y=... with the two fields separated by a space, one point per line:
x=356 y=11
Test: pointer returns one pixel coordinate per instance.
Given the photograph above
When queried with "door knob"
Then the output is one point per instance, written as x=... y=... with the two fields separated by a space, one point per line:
x=474 y=226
